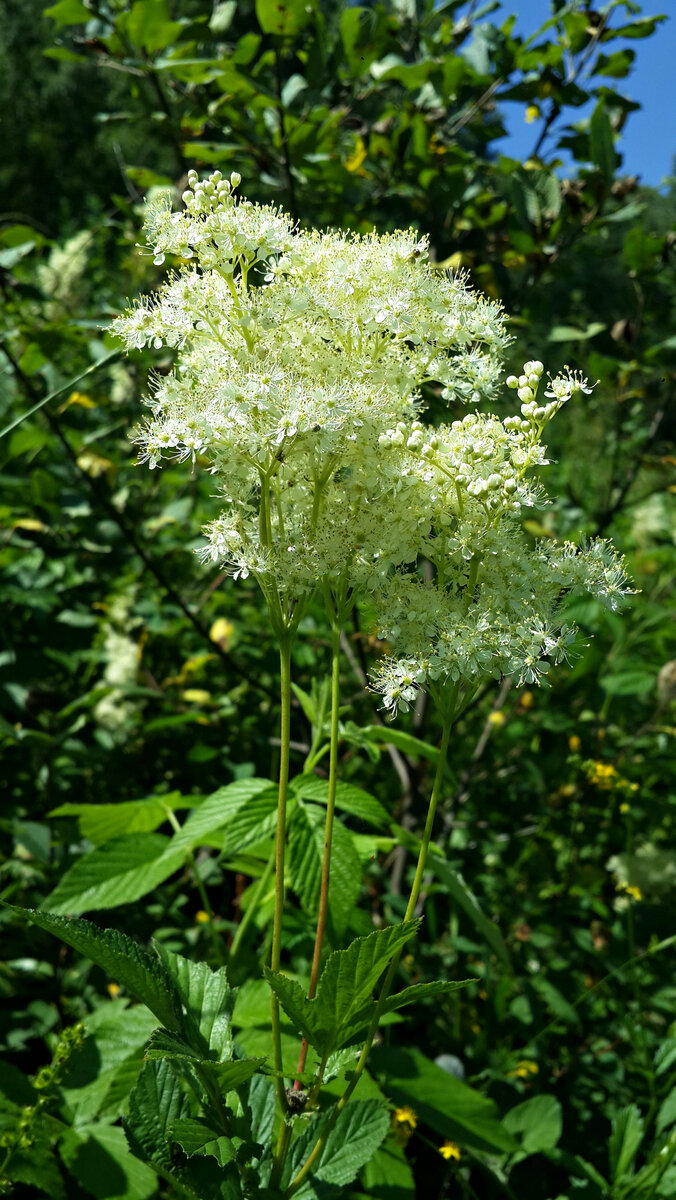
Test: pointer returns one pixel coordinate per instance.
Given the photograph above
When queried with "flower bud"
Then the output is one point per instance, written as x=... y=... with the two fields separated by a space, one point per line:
x=525 y=393
x=512 y=381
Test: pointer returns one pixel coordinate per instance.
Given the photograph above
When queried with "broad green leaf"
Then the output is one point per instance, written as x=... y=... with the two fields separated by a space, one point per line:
x=345 y=987
x=360 y=1129
x=121 y=958
x=406 y=742
x=260 y=1105
x=349 y=799
x=100 y=1159
x=207 y=1001
x=68 y=12
x=155 y=1105
x=537 y=1123
x=467 y=901
x=219 y=811
x=283 y=18
x=104 y=1070
x=626 y=1136
x=197 y=1138
x=601 y=142
x=228 y=1074
x=148 y=25
x=306 y=852
x=388 y=1173
x=119 y=872
x=102 y=822
x=37 y=1166
x=447 y=1105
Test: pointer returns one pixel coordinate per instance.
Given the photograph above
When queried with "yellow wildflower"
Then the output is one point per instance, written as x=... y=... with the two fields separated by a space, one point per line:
x=406 y=1116
x=221 y=632
x=525 y=1068
x=202 y=917
x=602 y=775
x=113 y=990
x=630 y=889
x=532 y=113
x=624 y=809
x=450 y=1150
x=527 y=699
x=497 y=719
x=574 y=743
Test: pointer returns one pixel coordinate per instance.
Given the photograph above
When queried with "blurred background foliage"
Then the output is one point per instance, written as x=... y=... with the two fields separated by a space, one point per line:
x=128 y=671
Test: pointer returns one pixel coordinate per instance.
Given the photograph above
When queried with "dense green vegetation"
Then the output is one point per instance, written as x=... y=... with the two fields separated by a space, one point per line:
x=136 y=683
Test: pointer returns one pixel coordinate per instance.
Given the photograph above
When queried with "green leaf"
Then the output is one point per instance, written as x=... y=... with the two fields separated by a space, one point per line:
x=447 y=1105
x=104 y=1070
x=466 y=900
x=417 y=991
x=626 y=1136
x=345 y=986
x=122 y=959
x=355 y=1137
x=99 y=1157
x=601 y=142
x=283 y=18
x=197 y=1138
x=148 y=25
x=38 y=1167
x=388 y=1173
x=349 y=799
x=68 y=12
x=306 y=852
x=227 y=1074
x=220 y=810
x=538 y=1121
x=667 y=1112
x=118 y=873
x=406 y=742
x=102 y=822
x=155 y=1105
x=207 y=1002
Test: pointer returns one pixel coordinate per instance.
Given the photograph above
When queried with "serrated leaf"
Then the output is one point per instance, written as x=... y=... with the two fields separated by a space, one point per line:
x=625 y=1138
x=155 y=1105
x=118 y=873
x=345 y=986
x=388 y=1173
x=467 y=901
x=360 y=1129
x=229 y=1074
x=538 y=1121
x=417 y=991
x=197 y=1138
x=207 y=1001
x=220 y=810
x=122 y=959
x=306 y=852
x=260 y=1105
x=447 y=1105
x=349 y=799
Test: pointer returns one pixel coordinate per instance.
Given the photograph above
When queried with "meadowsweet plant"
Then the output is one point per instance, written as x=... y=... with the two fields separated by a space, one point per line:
x=302 y=362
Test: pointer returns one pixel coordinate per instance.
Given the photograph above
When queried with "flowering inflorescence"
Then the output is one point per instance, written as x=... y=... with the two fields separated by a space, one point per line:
x=302 y=359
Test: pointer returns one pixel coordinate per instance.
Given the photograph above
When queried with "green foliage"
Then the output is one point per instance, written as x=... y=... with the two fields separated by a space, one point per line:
x=113 y=687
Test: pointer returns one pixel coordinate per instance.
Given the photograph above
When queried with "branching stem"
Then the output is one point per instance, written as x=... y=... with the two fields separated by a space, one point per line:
x=392 y=969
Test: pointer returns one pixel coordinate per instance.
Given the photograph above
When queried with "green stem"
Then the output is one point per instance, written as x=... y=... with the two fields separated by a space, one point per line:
x=328 y=829
x=252 y=907
x=391 y=971
x=280 y=844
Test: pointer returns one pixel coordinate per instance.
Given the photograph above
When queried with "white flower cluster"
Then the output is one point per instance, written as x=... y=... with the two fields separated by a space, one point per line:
x=301 y=360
